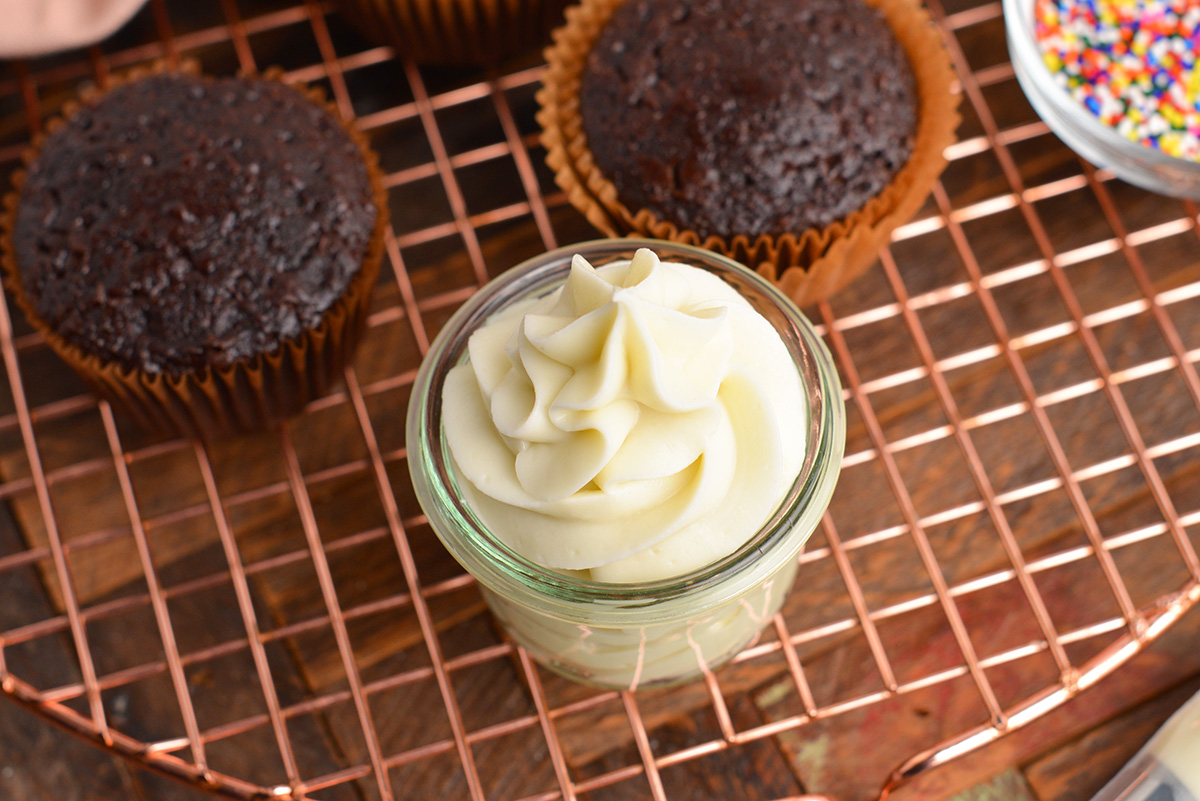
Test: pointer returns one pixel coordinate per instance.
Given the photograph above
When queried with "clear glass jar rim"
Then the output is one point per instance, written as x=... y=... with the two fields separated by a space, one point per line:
x=501 y=569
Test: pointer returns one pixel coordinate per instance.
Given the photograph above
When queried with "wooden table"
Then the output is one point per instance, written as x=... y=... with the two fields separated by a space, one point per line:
x=485 y=206
x=1067 y=756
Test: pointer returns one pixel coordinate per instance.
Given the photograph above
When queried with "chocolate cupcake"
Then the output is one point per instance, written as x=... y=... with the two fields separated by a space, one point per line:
x=456 y=31
x=201 y=250
x=791 y=136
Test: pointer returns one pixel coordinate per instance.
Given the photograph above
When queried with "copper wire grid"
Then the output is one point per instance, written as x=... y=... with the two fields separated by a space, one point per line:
x=481 y=243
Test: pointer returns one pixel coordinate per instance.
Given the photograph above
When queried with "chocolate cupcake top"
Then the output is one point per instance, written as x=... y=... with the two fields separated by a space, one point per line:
x=748 y=117
x=179 y=222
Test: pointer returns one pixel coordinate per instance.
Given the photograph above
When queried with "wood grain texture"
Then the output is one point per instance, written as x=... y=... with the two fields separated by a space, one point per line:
x=1010 y=785
x=839 y=667
x=847 y=755
x=37 y=761
x=1077 y=770
x=1166 y=663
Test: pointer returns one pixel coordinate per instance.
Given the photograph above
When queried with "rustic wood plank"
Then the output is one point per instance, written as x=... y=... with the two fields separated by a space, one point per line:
x=1007 y=786
x=919 y=644
x=40 y=762
x=1080 y=768
x=169 y=483
x=755 y=771
x=1164 y=664
x=935 y=476
x=829 y=754
x=37 y=761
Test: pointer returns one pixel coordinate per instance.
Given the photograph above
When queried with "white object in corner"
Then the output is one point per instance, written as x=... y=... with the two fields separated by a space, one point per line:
x=38 y=27
x=1168 y=766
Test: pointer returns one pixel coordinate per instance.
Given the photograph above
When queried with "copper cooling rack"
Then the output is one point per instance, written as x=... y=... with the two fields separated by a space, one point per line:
x=272 y=617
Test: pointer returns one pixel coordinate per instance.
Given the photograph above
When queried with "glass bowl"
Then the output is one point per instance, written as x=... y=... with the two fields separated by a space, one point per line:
x=656 y=633
x=1084 y=133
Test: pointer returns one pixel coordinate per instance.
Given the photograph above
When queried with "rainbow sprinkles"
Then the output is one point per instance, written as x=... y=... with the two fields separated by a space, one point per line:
x=1131 y=63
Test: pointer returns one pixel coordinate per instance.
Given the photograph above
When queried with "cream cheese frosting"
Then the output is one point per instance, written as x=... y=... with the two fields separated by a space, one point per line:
x=638 y=423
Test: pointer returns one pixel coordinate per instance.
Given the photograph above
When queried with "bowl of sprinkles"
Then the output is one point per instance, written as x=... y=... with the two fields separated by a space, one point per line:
x=1118 y=81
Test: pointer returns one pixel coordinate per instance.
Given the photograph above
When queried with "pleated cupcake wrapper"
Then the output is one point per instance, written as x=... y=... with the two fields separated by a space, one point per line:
x=456 y=31
x=807 y=265
x=249 y=394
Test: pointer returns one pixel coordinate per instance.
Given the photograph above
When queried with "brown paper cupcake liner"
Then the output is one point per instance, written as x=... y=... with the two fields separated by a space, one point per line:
x=456 y=31
x=807 y=265
x=250 y=394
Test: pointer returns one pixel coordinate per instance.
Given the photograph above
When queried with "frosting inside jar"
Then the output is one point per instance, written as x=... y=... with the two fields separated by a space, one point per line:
x=638 y=423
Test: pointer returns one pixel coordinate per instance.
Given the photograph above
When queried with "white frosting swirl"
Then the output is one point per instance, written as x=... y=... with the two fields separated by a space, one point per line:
x=638 y=423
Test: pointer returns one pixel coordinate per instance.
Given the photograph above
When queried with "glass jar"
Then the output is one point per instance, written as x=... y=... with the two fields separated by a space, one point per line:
x=1138 y=164
x=630 y=635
